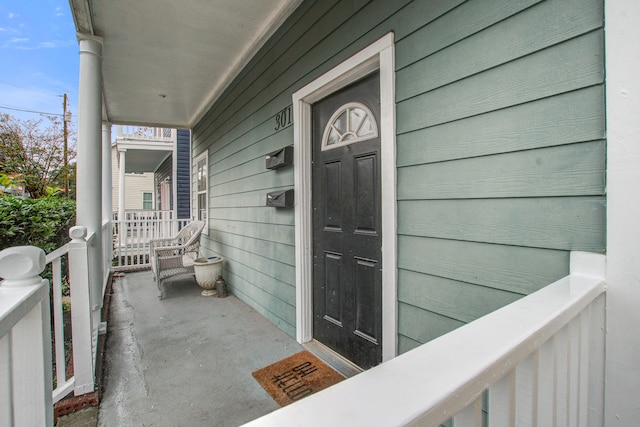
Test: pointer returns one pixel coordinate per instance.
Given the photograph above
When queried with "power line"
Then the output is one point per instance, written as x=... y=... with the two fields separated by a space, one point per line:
x=44 y=92
x=11 y=84
x=4 y=107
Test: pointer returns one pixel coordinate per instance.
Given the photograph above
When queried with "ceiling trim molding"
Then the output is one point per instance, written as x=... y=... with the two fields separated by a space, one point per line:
x=81 y=12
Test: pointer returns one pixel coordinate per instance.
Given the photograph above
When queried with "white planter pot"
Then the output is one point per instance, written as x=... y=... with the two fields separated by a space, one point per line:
x=207 y=272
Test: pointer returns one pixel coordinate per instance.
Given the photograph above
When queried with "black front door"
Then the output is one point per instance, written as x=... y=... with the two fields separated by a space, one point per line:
x=347 y=256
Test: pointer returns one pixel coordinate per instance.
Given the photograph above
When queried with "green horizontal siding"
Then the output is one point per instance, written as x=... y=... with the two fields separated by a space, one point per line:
x=423 y=325
x=260 y=181
x=464 y=18
x=500 y=151
x=451 y=298
x=262 y=214
x=568 y=170
x=269 y=232
x=405 y=344
x=511 y=268
x=240 y=258
x=279 y=252
x=534 y=29
x=255 y=198
x=568 y=223
x=542 y=123
x=274 y=309
x=561 y=68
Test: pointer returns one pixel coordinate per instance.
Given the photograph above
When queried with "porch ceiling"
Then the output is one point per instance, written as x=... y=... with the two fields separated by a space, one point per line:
x=166 y=62
x=140 y=161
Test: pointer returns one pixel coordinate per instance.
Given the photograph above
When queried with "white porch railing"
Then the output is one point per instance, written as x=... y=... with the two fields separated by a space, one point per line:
x=26 y=391
x=25 y=339
x=64 y=385
x=107 y=252
x=131 y=235
x=145 y=133
x=540 y=362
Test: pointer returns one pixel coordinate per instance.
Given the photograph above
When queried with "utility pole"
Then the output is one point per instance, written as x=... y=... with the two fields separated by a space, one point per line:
x=65 y=172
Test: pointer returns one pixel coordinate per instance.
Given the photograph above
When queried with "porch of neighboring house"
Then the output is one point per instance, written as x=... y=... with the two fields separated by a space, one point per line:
x=148 y=201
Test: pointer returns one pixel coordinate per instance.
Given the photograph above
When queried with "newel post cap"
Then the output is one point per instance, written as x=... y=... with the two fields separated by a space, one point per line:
x=78 y=232
x=22 y=265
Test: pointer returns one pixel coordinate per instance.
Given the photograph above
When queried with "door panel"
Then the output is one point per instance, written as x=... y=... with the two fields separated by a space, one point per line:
x=365 y=298
x=333 y=196
x=333 y=291
x=366 y=205
x=347 y=279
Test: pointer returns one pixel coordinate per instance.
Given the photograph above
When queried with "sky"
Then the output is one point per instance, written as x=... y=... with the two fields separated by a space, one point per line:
x=39 y=59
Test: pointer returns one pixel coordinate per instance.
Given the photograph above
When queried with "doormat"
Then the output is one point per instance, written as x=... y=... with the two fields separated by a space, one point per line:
x=295 y=377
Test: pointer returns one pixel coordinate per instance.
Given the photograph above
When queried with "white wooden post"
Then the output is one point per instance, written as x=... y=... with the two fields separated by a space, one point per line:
x=107 y=213
x=25 y=339
x=89 y=169
x=122 y=154
x=81 y=319
x=106 y=172
x=623 y=210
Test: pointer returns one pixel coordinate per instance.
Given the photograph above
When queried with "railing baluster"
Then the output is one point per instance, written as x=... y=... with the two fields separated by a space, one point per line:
x=125 y=242
x=573 y=358
x=526 y=393
x=596 y=362
x=470 y=416
x=502 y=402
x=562 y=377
x=546 y=383
x=6 y=381
x=58 y=321
x=131 y=244
x=583 y=379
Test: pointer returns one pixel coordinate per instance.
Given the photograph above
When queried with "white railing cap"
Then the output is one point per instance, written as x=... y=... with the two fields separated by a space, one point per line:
x=21 y=265
x=78 y=232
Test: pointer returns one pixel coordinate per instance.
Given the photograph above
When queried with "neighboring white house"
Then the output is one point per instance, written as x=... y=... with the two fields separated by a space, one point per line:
x=136 y=156
x=139 y=193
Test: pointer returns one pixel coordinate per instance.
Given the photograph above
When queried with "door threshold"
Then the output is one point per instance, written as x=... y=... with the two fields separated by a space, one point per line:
x=333 y=359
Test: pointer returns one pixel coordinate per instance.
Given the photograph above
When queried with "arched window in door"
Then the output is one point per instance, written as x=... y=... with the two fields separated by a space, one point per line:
x=351 y=123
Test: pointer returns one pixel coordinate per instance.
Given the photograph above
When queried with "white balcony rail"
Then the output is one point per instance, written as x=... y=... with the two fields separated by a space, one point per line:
x=25 y=339
x=84 y=322
x=64 y=385
x=83 y=338
x=540 y=362
x=131 y=236
x=107 y=252
x=145 y=133
x=26 y=313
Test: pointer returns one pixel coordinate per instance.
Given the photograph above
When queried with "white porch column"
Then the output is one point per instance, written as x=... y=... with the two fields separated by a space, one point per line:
x=89 y=169
x=107 y=212
x=122 y=154
x=622 y=385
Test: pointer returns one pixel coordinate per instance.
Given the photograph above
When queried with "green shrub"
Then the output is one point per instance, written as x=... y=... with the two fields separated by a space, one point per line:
x=41 y=222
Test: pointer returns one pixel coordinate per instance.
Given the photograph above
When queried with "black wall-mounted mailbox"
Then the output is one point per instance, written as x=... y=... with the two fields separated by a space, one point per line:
x=280 y=199
x=280 y=158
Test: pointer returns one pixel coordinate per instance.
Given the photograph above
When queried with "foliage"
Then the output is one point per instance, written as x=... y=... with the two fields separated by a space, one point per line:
x=38 y=222
x=33 y=152
x=8 y=182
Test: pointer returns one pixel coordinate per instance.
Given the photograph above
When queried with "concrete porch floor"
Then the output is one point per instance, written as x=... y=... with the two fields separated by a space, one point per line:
x=185 y=360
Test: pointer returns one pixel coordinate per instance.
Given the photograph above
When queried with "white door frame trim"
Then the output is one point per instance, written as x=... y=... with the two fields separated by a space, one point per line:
x=377 y=56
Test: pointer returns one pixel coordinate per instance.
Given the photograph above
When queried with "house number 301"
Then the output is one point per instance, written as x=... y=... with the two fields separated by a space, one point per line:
x=283 y=118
